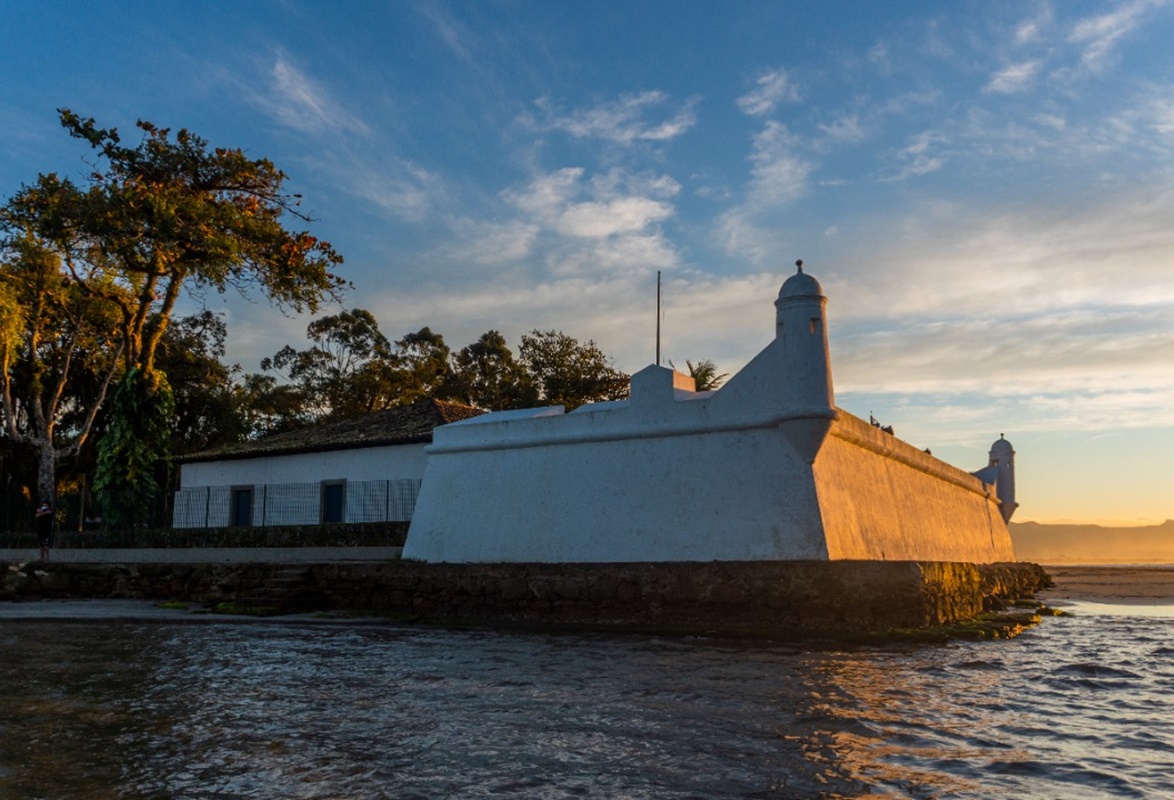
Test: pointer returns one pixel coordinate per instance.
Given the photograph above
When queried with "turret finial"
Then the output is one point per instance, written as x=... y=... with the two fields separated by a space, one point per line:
x=799 y=264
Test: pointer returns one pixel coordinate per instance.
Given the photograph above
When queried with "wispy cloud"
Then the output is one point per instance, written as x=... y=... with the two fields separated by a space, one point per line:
x=405 y=190
x=1059 y=318
x=644 y=116
x=298 y=101
x=771 y=88
x=609 y=204
x=453 y=33
x=1098 y=36
x=499 y=244
x=918 y=157
x=845 y=128
x=1013 y=78
x=779 y=176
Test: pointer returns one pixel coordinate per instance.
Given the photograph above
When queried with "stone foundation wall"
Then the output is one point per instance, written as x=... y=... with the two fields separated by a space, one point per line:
x=810 y=597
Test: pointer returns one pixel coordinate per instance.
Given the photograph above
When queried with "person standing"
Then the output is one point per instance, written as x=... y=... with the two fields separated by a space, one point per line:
x=45 y=528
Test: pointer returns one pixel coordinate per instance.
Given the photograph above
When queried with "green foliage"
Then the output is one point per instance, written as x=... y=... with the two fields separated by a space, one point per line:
x=704 y=374
x=344 y=374
x=136 y=441
x=207 y=411
x=169 y=213
x=351 y=369
x=485 y=375
x=421 y=367
x=92 y=273
x=565 y=372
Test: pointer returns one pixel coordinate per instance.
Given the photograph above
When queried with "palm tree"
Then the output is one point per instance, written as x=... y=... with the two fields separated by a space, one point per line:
x=704 y=374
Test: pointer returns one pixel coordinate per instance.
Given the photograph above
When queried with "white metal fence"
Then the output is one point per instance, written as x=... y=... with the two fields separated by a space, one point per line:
x=274 y=504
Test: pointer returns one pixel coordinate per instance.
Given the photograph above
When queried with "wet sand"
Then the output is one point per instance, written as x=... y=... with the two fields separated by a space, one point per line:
x=1111 y=583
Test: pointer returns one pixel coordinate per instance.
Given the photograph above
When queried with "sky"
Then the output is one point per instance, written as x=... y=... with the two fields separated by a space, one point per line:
x=985 y=190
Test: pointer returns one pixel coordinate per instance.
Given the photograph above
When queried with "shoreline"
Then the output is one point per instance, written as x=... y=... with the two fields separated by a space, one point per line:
x=1111 y=584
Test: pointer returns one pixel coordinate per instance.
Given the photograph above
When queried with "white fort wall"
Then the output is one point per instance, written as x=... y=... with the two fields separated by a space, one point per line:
x=765 y=468
x=506 y=491
x=881 y=498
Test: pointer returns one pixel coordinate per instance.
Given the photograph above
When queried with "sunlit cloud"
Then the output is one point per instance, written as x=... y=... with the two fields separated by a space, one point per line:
x=771 y=88
x=608 y=204
x=628 y=119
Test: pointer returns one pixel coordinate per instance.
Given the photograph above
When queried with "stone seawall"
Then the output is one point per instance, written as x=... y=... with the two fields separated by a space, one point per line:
x=797 y=597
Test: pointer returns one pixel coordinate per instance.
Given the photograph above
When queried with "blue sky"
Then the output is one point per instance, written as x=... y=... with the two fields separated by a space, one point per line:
x=984 y=189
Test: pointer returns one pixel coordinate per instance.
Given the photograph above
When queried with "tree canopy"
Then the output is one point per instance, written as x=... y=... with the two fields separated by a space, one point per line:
x=351 y=369
x=167 y=214
x=98 y=268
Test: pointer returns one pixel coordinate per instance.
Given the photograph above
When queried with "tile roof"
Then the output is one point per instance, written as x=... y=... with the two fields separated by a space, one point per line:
x=411 y=424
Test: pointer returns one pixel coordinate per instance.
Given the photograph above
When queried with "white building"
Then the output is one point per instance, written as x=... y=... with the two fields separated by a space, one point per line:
x=764 y=468
x=359 y=470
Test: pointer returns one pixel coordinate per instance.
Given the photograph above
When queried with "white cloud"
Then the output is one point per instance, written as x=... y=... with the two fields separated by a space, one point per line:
x=398 y=187
x=454 y=34
x=596 y=220
x=613 y=203
x=1053 y=121
x=1013 y=78
x=298 y=101
x=1162 y=115
x=1037 y=318
x=778 y=177
x=498 y=244
x=846 y=128
x=916 y=157
x=625 y=120
x=1099 y=35
x=772 y=88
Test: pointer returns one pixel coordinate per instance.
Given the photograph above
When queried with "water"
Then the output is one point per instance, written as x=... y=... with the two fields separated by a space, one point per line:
x=100 y=708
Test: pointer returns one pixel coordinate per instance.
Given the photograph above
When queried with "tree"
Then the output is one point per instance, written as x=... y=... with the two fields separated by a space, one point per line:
x=565 y=372
x=163 y=216
x=421 y=367
x=169 y=214
x=704 y=374
x=487 y=376
x=59 y=350
x=141 y=413
x=207 y=409
x=345 y=373
x=267 y=406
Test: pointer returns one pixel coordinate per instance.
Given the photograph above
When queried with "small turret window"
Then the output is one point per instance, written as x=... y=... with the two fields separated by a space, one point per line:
x=816 y=325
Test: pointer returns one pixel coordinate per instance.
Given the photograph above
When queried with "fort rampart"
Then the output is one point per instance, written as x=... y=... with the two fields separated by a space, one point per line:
x=811 y=598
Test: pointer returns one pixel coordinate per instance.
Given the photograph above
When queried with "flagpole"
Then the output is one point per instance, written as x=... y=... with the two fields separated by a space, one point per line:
x=658 y=318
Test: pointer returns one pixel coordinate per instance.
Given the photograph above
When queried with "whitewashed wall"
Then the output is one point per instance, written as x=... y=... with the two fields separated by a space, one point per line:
x=748 y=472
x=361 y=464
x=381 y=484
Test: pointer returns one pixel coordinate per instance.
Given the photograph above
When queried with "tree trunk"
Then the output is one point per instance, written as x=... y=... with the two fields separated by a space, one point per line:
x=46 y=471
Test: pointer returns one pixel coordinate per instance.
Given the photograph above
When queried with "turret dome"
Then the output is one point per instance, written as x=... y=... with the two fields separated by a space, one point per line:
x=1002 y=447
x=800 y=285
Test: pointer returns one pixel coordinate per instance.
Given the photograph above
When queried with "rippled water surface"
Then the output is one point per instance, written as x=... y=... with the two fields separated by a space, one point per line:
x=1080 y=707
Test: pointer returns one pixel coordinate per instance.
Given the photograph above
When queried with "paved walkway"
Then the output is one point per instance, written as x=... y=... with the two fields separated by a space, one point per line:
x=206 y=555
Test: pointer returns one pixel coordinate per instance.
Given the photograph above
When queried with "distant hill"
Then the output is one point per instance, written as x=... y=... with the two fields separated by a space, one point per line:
x=1093 y=544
